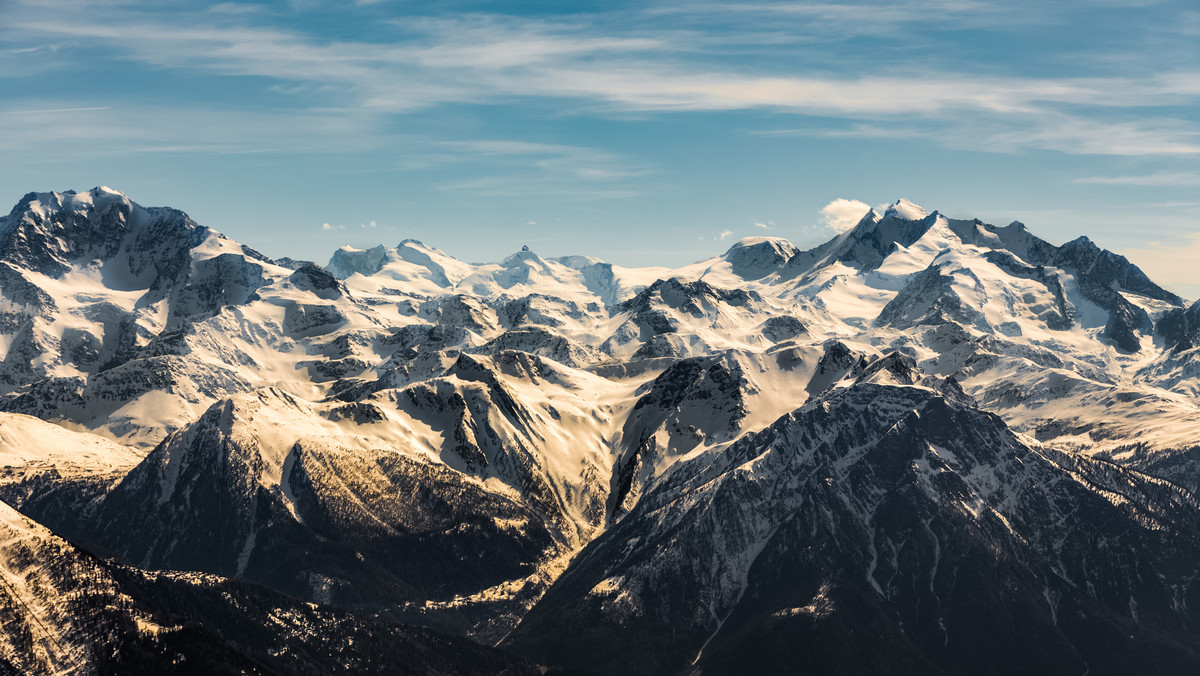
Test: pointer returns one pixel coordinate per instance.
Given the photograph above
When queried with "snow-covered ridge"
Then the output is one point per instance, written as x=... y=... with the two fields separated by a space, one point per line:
x=159 y=317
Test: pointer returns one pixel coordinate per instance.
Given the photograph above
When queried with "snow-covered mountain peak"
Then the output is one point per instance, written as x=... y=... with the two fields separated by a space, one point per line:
x=51 y=233
x=99 y=199
x=524 y=256
x=410 y=245
x=577 y=262
x=753 y=258
x=348 y=260
x=47 y=231
x=423 y=269
x=870 y=241
x=776 y=243
x=906 y=210
x=865 y=224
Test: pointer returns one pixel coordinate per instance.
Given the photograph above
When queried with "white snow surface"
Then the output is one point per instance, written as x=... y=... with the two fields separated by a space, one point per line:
x=246 y=346
x=29 y=445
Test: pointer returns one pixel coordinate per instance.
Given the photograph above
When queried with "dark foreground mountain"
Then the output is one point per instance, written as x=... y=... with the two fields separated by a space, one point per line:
x=885 y=529
x=66 y=611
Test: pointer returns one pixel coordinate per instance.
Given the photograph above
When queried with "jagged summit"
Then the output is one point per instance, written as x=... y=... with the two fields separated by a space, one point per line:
x=780 y=243
x=98 y=197
x=906 y=210
x=753 y=258
x=872 y=240
x=525 y=255
x=47 y=232
x=348 y=261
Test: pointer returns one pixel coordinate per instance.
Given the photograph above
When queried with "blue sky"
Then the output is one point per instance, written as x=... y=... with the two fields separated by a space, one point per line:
x=642 y=133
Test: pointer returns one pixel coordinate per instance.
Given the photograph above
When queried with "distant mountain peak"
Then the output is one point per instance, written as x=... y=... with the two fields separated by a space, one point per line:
x=48 y=232
x=756 y=257
x=348 y=260
x=757 y=240
x=523 y=256
x=906 y=209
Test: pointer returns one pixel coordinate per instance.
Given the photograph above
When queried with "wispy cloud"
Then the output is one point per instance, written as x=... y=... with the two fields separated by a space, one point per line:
x=182 y=129
x=330 y=227
x=835 y=20
x=1189 y=23
x=525 y=186
x=52 y=110
x=1077 y=135
x=720 y=236
x=581 y=162
x=1072 y=134
x=597 y=66
x=523 y=167
x=1160 y=179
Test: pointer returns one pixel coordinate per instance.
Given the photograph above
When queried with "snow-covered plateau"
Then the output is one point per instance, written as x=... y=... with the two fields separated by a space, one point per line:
x=927 y=446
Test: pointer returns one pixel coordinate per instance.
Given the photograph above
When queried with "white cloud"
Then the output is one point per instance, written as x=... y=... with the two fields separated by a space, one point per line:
x=369 y=225
x=326 y=226
x=182 y=129
x=524 y=186
x=842 y=214
x=1161 y=179
x=491 y=59
x=769 y=225
x=579 y=162
x=1018 y=132
x=834 y=20
x=605 y=65
x=724 y=234
x=1080 y=135
x=54 y=110
x=523 y=168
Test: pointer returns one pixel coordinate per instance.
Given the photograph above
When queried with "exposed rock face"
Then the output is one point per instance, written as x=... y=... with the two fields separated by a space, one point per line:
x=891 y=519
x=1180 y=328
x=756 y=257
x=347 y=261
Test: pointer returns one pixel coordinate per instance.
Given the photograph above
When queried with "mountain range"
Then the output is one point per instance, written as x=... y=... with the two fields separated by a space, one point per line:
x=926 y=446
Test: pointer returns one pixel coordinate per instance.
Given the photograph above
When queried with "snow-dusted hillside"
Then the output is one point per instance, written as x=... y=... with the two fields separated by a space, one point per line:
x=63 y=611
x=514 y=448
